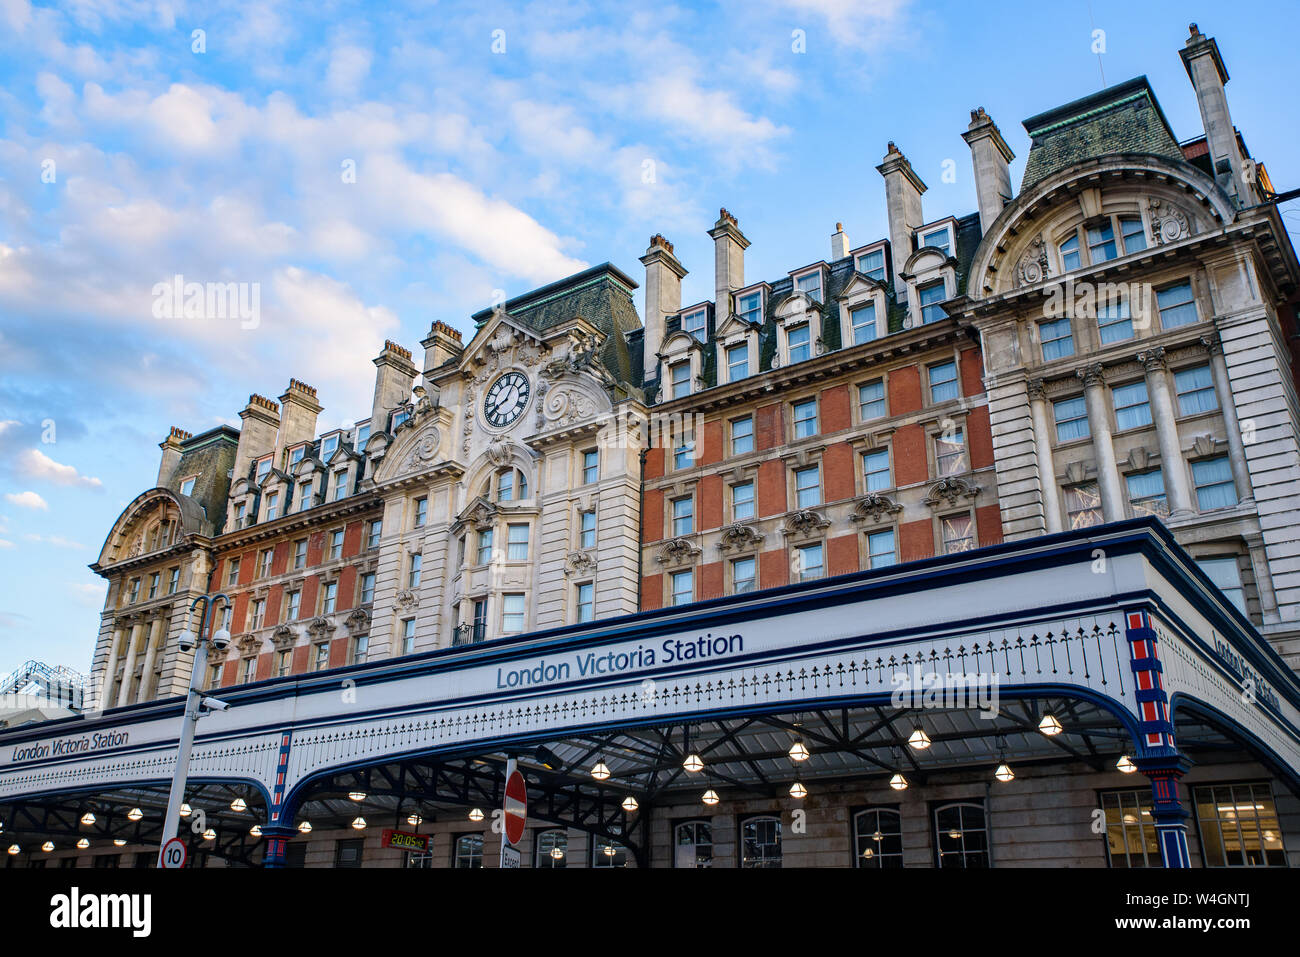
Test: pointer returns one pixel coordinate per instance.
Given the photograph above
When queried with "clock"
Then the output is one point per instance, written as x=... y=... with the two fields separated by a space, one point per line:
x=506 y=399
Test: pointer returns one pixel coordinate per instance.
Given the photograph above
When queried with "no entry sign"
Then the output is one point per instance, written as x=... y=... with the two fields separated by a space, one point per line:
x=516 y=804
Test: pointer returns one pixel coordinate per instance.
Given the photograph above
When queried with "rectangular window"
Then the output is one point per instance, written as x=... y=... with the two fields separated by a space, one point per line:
x=931 y=296
x=173 y=581
x=950 y=452
x=336 y=543
x=1101 y=243
x=681 y=378
x=938 y=239
x=810 y=562
x=360 y=646
x=683 y=584
x=258 y=614
x=958 y=533
x=1226 y=575
x=943 y=382
x=1057 y=340
x=240 y=511
x=1114 y=324
x=683 y=515
x=1239 y=825
x=214 y=676
x=808 y=486
x=742 y=435
x=1083 y=505
x=737 y=362
x=294 y=609
x=272 y=506
x=744 y=575
x=587 y=529
x=153 y=585
x=187 y=487
x=331 y=596
x=300 y=553
x=585 y=601
x=1070 y=253
x=321 y=661
x=363 y=436
x=417 y=568
x=810 y=285
x=408 y=635
x=250 y=670
x=421 y=512
x=1195 y=388
x=1135 y=238
x=1071 y=419
x=399 y=416
x=376 y=529
x=875 y=470
x=1130 y=829
x=517 y=543
x=872 y=264
x=805 y=418
x=750 y=307
x=1177 y=306
x=696 y=324
x=512 y=614
x=863 y=320
x=1214 y=485
x=799 y=343
x=367 y=588
x=484 y=546
x=264 y=563
x=283 y=663
x=881 y=549
x=871 y=400
x=684 y=454
x=1132 y=407
x=328 y=446
x=506 y=486
x=1146 y=493
x=340 y=486
x=295 y=455
x=232 y=577
x=742 y=501
x=590 y=466
x=304 y=496
x=263 y=469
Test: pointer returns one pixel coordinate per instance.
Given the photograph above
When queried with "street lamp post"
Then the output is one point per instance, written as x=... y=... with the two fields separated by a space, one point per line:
x=195 y=702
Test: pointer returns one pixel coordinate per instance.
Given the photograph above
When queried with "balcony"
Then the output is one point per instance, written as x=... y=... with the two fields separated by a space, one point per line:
x=467 y=633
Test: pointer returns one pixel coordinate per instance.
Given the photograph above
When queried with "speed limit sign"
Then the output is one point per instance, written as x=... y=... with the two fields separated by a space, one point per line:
x=173 y=854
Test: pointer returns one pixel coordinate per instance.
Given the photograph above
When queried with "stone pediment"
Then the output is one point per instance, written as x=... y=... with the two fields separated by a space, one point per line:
x=739 y=537
x=859 y=285
x=579 y=563
x=358 y=621
x=478 y=514
x=805 y=523
x=873 y=507
x=951 y=492
x=283 y=637
x=677 y=551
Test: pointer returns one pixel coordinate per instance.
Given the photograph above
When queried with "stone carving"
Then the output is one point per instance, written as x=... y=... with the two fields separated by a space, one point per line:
x=1138 y=456
x=1094 y=374
x=740 y=537
x=358 y=621
x=580 y=357
x=249 y=645
x=805 y=523
x=320 y=627
x=427 y=446
x=408 y=599
x=1205 y=445
x=578 y=563
x=950 y=492
x=874 y=506
x=1153 y=360
x=480 y=515
x=283 y=637
x=1168 y=223
x=499 y=452
x=1032 y=268
x=567 y=406
x=1076 y=472
x=677 y=551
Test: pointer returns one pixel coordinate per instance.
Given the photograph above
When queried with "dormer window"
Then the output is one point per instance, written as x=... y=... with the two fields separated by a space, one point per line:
x=931 y=296
x=695 y=323
x=810 y=285
x=263 y=469
x=799 y=343
x=680 y=379
x=750 y=307
x=304 y=496
x=872 y=264
x=240 y=511
x=399 y=416
x=363 y=436
x=940 y=239
x=340 y=485
x=863 y=321
x=272 y=507
x=296 y=455
x=737 y=361
x=328 y=446
x=187 y=487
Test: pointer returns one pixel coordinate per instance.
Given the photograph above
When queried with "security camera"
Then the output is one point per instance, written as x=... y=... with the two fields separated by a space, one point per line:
x=213 y=704
x=221 y=639
x=186 y=641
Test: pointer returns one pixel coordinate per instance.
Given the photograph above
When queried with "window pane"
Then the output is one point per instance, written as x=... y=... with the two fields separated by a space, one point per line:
x=871 y=400
x=737 y=362
x=807 y=484
x=881 y=551
x=1056 y=338
x=875 y=469
x=694 y=323
x=1214 y=486
x=799 y=342
x=1176 y=305
x=1101 y=243
x=863 y=320
x=1071 y=419
x=1083 y=505
x=1146 y=493
x=1114 y=322
x=805 y=418
x=742 y=436
x=742 y=501
x=1132 y=409
x=744 y=574
x=958 y=533
x=1070 y=253
x=1226 y=575
x=931 y=296
x=1135 y=239
x=943 y=382
x=1195 y=388
x=810 y=563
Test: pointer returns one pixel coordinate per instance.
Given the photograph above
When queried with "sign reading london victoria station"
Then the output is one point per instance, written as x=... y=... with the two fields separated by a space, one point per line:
x=587 y=664
x=63 y=747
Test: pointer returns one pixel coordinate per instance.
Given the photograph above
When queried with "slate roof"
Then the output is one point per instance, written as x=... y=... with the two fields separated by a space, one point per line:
x=1125 y=118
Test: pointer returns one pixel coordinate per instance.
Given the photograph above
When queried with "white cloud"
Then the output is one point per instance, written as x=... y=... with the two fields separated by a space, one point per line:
x=349 y=66
x=35 y=464
x=27 y=500
x=58 y=541
x=6 y=544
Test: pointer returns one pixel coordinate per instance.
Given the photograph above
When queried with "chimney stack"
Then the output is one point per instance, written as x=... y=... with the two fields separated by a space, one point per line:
x=729 y=245
x=839 y=243
x=297 y=418
x=393 y=382
x=441 y=345
x=171 y=454
x=991 y=158
x=261 y=422
x=663 y=296
x=903 y=189
x=1208 y=75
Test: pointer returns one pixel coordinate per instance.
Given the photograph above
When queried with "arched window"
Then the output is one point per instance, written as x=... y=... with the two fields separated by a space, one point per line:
x=511 y=485
x=760 y=842
x=961 y=836
x=468 y=851
x=878 y=838
x=551 y=849
x=693 y=844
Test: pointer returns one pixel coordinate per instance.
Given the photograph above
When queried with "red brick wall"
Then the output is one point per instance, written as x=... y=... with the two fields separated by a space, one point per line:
x=652 y=592
x=988 y=524
x=301 y=659
x=339 y=652
x=274 y=601
x=265 y=662
x=773 y=568
x=708 y=449
x=915 y=540
x=842 y=555
x=710 y=581
x=708 y=502
x=838 y=468
x=904 y=390
x=771 y=488
x=347 y=588
x=980 y=437
x=835 y=409
x=909 y=455
x=652 y=516
x=972 y=370
x=315 y=548
x=654 y=463
x=352 y=539
x=769 y=427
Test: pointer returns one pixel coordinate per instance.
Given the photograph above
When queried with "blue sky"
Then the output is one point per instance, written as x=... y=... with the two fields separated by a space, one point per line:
x=484 y=161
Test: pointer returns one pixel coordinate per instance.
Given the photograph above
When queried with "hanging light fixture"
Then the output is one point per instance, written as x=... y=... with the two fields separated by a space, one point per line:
x=710 y=797
x=415 y=820
x=118 y=841
x=83 y=843
x=1050 y=726
x=255 y=830
x=869 y=853
x=186 y=810
x=898 y=782
x=1003 y=772
x=557 y=853
x=798 y=751
x=609 y=850
x=238 y=805
x=476 y=815
x=356 y=795
x=87 y=819
x=919 y=740
x=600 y=771
x=15 y=849
x=798 y=791
x=359 y=824
x=629 y=804
x=304 y=827
x=693 y=764
x=1125 y=765
x=955 y=834
x=47 y=846
x=209 y=835
x=134 y=814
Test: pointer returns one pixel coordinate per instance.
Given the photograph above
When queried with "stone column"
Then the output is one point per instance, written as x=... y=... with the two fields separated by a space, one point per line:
x=1043 y=454
x=106 y=679
x=1112 y=497
x=1236 y=444
x=128 y=665
x=1174 y=467
x=150 y=655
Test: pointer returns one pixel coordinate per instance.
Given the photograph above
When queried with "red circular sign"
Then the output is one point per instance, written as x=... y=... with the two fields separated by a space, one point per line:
x=173 y=854
x=516 y=807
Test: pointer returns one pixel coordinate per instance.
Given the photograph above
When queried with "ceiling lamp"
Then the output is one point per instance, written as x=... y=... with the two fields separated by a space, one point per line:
x=557 y=853
x=238 y=805
x=356 y=795
x=15 y=849
x=209 y=835
x=134 y=814
x=255 y=830
x=798 y=751
x=1004 y=773
x=83 y=844
x=1050 y=726
x=119 y=841
x=609 y=850
x=629 y=804
x=476 y=815
x=898 y=782
x=600 y=771
x=955 y=834
x=87 y=819
x=186 y=810
x=710 y=797
x=869 y=853
x=919 y=740
x=304 y=827
x=47 y=846
x=1125 y=765
x=415 y=820
x=693 y=764
x=798 y=791
x=359 y=824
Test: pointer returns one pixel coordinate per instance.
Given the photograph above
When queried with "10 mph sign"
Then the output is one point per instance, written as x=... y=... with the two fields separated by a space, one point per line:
x=173 y=854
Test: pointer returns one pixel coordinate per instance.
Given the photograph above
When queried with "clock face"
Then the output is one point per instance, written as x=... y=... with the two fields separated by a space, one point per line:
x=506 y=399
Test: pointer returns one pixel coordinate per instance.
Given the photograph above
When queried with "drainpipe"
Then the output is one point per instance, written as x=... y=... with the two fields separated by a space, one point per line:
x=640 y=529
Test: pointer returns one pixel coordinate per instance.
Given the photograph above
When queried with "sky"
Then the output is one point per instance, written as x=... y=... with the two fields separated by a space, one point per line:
x=369 y=169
